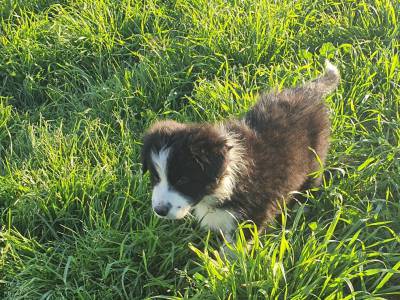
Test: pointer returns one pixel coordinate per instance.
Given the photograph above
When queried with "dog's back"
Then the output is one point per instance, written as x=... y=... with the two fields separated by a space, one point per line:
x=289 y=141
x=292 y=122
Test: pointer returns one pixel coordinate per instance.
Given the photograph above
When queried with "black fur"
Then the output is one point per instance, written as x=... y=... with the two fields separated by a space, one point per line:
x=196 y=159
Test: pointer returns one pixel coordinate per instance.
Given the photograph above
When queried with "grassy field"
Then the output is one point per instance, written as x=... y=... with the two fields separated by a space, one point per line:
x=80 y=81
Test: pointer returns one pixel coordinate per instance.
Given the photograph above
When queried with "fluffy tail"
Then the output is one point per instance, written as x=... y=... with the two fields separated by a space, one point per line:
x=328 y=82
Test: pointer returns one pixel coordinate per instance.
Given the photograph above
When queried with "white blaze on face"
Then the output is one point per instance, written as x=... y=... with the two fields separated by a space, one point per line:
x=163 y=193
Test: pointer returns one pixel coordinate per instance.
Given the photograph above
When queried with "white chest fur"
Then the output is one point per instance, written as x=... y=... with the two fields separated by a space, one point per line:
x=214 y=218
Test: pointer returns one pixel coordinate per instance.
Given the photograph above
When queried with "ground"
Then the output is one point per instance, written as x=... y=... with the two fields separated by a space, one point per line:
x=80 y=81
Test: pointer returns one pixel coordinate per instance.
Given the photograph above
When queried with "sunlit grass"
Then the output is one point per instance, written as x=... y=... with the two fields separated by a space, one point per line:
x=80 y=81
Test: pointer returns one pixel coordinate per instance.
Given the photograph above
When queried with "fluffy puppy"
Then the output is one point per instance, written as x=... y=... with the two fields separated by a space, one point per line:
x=242 y=169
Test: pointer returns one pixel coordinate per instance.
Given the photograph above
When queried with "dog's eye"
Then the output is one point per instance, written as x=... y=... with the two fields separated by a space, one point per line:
x=182 y=180
x=154 y=178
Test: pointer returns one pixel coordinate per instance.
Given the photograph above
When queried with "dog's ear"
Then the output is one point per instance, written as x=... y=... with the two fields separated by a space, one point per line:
x=159 y=135
x=209 y=148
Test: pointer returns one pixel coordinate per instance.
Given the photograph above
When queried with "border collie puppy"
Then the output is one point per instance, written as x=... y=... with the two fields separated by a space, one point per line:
x=243 y=169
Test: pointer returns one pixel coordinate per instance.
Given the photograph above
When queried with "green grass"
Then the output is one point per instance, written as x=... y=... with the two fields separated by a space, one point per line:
x=80 y=81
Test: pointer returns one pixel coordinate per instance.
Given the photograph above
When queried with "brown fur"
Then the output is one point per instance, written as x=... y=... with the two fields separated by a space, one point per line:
x=276 y=145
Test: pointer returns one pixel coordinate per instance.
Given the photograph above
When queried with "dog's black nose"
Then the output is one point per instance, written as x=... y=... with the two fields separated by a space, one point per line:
x=162 y=210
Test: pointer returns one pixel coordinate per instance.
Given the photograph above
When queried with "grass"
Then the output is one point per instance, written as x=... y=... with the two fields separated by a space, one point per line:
x=81 y=80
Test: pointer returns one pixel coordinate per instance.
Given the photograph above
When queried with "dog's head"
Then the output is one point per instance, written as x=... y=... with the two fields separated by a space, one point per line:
x=186 y=163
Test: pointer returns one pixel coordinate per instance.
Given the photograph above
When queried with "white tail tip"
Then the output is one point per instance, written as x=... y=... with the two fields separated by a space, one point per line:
x=330 y=68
